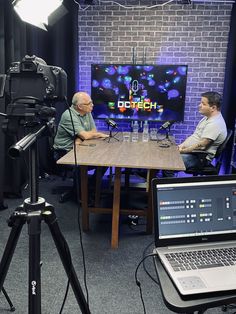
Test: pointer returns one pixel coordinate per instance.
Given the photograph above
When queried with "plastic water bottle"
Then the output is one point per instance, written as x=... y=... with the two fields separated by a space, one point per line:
x=135 y=132
x=145 y=132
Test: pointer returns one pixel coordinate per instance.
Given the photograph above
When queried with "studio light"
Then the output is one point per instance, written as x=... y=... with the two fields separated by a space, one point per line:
x=36 y=12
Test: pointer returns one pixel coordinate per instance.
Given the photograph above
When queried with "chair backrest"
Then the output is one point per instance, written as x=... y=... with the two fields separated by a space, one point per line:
x=219 y=153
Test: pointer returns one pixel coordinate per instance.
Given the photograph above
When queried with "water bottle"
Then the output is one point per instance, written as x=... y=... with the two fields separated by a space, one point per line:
x=135 y=132
x=145 y=132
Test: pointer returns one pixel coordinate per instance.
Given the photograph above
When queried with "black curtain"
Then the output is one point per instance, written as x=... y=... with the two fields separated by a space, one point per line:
x=229 y=94
x=57 y=46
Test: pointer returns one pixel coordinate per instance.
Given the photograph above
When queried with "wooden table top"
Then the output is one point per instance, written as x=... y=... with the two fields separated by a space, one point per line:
x=147 y=155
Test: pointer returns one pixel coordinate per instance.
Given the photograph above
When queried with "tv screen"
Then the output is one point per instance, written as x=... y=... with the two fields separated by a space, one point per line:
x=138 y=92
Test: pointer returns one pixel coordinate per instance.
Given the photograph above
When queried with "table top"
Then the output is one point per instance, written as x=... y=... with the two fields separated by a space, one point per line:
x=147 y=155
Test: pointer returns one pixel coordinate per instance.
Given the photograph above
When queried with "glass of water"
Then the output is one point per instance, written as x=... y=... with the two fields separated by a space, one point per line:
x=153 y=134
x=126 y=136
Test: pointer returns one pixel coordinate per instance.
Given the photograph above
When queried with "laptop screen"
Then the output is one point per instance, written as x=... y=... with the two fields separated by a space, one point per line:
x=193 y=208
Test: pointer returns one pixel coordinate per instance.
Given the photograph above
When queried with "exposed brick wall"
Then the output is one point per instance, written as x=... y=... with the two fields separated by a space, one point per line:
x=195 y=34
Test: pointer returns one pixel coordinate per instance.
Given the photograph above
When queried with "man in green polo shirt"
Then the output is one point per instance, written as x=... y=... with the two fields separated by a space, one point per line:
x=83 y=124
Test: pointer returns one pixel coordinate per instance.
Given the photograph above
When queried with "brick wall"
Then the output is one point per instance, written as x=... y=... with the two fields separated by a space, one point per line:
x=193 y=34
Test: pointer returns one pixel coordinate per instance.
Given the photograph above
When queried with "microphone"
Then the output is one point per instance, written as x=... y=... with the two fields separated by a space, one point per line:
x=111 y=123
x=166 y=125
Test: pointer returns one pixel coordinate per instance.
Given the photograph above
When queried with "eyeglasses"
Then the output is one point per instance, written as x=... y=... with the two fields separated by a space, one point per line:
x=88 y=104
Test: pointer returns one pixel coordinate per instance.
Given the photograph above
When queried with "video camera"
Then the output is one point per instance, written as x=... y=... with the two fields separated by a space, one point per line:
x=32 y=87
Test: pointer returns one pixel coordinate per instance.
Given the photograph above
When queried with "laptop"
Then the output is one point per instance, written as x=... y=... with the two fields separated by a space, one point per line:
x=195 y=232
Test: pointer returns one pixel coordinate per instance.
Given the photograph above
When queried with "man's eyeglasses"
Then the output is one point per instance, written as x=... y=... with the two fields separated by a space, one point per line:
x=88 y=104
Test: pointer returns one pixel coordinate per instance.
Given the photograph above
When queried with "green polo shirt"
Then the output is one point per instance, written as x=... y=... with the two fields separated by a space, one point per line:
x=65 y=134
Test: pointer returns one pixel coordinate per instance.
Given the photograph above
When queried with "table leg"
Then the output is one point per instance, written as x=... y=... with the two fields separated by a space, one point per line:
x=116 y=210
x=149 y=227
x=98 y=186
x=84 y=197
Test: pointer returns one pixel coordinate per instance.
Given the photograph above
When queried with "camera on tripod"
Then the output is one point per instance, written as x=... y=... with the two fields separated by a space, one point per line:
x=32 y=88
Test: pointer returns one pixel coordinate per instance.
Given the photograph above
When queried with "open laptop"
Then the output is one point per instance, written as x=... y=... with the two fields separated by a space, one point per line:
x=195 y=231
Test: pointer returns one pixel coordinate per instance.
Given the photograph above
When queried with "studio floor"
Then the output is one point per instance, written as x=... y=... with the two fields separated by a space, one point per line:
x=110 y=273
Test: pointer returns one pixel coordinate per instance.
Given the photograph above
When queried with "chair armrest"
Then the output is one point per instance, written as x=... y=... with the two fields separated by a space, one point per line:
x=199 y=152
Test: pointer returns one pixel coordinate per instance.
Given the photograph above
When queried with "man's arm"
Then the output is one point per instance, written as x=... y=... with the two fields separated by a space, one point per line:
x=87 y=135
x=203 y=144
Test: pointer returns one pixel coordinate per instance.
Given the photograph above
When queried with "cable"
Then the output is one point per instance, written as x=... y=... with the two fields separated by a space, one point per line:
x=77 y=191
x=80 y=232
x=144 y=266
x=138 y=282
x=136 y=7
x=80 y=7
x=125 y=6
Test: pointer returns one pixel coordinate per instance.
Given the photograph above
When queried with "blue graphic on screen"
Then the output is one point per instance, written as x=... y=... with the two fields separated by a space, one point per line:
x=139 y=92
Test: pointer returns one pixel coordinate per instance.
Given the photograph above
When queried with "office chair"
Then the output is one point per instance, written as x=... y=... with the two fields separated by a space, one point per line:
x=210 y=168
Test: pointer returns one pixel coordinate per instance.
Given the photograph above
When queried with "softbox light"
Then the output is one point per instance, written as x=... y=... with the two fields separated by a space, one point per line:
x=36 y=12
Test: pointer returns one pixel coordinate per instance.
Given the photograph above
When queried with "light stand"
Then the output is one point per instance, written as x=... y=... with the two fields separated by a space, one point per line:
x=33 y=211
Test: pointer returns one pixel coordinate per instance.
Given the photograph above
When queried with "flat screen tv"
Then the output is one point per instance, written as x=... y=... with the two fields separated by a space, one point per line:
x=138 y=92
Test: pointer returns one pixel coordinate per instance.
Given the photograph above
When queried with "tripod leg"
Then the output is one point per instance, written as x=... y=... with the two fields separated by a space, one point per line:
x=34 y=230
x=63 y=250
x=12 y=309
x=16 y=221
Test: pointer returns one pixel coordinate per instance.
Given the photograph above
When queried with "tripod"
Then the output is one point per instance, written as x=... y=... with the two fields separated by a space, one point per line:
x=34 y=210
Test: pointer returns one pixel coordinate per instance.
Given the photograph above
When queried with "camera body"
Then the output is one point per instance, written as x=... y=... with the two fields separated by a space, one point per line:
x=32 y=77
x=33 y=88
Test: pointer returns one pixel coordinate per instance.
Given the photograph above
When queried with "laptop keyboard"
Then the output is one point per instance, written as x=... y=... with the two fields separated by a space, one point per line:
x=202 y=259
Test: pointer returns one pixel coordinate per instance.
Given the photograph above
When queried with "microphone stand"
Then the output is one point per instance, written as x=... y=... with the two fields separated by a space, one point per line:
x=111 y=136
x=166 y=139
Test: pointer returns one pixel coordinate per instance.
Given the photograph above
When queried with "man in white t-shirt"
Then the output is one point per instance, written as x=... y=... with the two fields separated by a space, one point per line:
x=210 y=132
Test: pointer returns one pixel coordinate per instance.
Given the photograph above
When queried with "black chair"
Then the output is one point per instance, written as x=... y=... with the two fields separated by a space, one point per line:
x=64 y=172
x=212 y=168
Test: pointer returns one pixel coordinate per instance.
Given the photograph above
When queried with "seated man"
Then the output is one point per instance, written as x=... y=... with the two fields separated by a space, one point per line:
x=83 y=125
x=209 y=134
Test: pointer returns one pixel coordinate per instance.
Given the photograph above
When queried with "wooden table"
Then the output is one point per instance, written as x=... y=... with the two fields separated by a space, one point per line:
x=119 y=154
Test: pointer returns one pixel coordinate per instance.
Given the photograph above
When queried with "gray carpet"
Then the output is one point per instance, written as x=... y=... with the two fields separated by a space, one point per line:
x=110 y=273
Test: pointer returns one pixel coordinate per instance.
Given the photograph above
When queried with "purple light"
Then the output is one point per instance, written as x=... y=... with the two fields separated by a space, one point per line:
x=173 y=93
x=106 y=83
x=176 y=79
x=151 y=82
x=162 y=88
x=123 y=70
x=169 y=71
x=148 y=68
x=110 y=70
x=182 y=70
x=95 y=83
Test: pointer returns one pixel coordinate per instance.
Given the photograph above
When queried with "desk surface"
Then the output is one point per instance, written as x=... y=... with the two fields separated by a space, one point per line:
x=119 y=154
x=147 y=155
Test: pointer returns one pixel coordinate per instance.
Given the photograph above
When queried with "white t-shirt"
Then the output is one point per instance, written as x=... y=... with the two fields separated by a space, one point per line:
x=213 y=128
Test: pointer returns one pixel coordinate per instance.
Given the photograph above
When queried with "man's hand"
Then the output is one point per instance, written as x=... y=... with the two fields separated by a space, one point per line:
x=203 y=144
x=181 y=147
x=102 y=135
